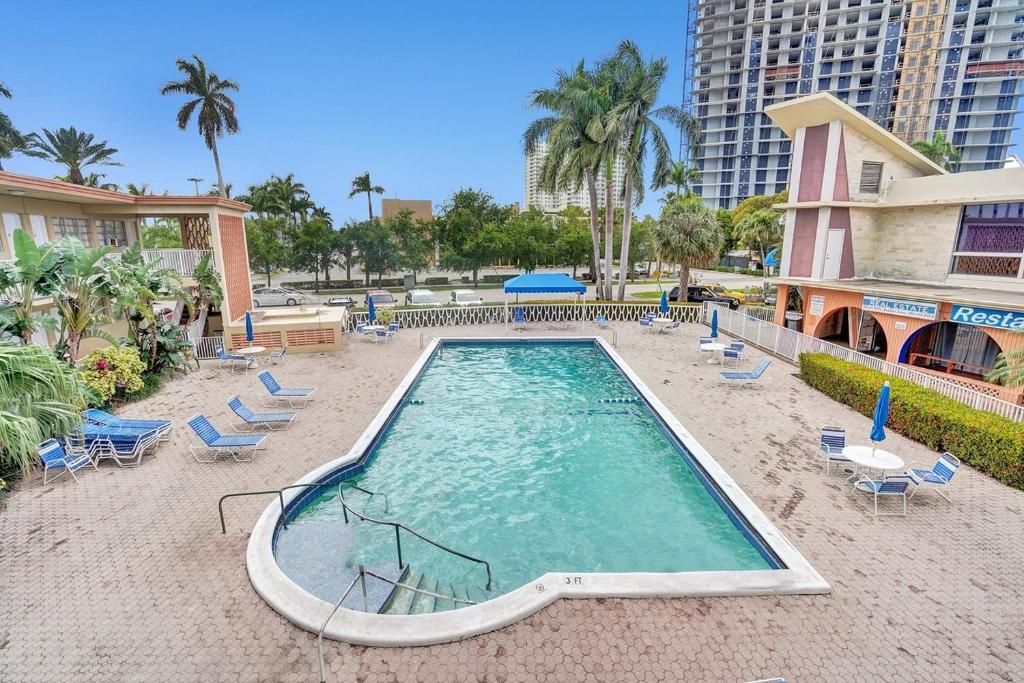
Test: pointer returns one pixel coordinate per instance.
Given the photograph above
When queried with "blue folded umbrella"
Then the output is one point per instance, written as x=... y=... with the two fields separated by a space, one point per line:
x=663 y=306
x=881 y=415
x=372 y=310
x=714 y=323
x=249 y=336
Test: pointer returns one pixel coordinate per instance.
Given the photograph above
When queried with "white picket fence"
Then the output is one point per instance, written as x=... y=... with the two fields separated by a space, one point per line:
x=789 y=344
x=182 y=261
x=204 y=348
x=443 y=316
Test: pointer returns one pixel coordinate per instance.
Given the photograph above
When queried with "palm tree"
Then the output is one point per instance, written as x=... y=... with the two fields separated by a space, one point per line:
x=91 y=180
x=683 y=176
x=215 y=191
x=40 y=398
x=361 y=184
x=73 y=149
x=140 y=190
x=11 y=140
x=939 y=150
x=78 y=298
x=687 y=233
x=1009 y=369
x=633 y=120
x=290 y=197
x=207 y=291
x=761 y=231
x=216 y=109
x=31 y=274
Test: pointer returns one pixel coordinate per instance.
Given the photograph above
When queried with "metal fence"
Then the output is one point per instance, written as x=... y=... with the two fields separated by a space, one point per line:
x=537 y=312
x=204 y=348
x=789 y=344
x=766 y=313
x=182 y=261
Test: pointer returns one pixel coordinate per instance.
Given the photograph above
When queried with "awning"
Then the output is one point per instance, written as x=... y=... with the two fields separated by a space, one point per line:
x=543 y=283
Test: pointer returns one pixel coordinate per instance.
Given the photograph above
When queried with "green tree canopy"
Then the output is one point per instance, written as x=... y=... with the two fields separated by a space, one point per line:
x=939 y=150
x=74 y=149
x=688 y=234
x=267 y=250
x=467 y=231
x=756 y=203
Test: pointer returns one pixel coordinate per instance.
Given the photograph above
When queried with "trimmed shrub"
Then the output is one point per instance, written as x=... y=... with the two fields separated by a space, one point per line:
x=151 y=384
x=497 y=279
x=112 y=371
x=990 y=443
x=436 y=281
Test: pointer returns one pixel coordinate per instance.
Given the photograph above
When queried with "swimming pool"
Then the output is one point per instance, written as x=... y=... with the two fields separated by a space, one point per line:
x=552 y=461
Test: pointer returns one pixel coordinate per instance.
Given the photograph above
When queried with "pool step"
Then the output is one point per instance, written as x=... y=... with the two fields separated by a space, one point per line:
x=405 y=601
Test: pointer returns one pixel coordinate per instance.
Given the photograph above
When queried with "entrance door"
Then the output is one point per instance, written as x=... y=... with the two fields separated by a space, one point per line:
x=39 y=233
x=12 y=222
x=833 y=255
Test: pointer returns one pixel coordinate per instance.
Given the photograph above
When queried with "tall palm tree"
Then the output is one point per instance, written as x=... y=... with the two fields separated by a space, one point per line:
x=215 y=191
x=216 y=108
x=939 y=150
x=138 y=190
x=635 y=131
x=74 y=149
x=361 y=184
x=687 y=233
x=11 y=140
x=683 y=176
x=290 y=197
x=207 y=291
x=761 y=232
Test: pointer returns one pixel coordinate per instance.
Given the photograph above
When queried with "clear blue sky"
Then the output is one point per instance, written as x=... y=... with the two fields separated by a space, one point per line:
x=428 y=97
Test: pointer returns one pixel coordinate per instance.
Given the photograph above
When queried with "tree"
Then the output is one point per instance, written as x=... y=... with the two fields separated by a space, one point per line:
x=412 y=241
x=91 y=180
x=12 y=141
x=377 y=247
x=683 y=176
x=79 y=298
x=165 y=233
x=312 y=246
x=216 y=108
x=760 y=231
x=40 y=398
x=214 y=191
x=729 y=240
x=1009 y=368
x=465 y=230
x=361 y=184
x=347 y=246
x=33 y=273
x=74 y=149
x=757 y=203
x=939 y=150
x=688 y=234
x=634 y=130
x=572 y=239
x=206 y=291
x=267 y=251
x=527 y=239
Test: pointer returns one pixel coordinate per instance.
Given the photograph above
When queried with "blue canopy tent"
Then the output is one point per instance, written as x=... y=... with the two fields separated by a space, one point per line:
x=541 y=283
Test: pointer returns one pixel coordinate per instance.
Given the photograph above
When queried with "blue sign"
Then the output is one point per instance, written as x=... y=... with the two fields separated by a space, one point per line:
x=905 y=307
x=987 y=317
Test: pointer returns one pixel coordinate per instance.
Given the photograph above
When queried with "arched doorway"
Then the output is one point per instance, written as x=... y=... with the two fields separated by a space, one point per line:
x=963 y=350
x=853 y=328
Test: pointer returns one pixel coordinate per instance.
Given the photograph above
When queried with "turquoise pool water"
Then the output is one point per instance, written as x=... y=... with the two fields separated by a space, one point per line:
x=508 y=453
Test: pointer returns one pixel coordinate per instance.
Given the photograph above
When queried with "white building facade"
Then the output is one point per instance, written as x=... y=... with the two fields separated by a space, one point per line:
x=553 y=202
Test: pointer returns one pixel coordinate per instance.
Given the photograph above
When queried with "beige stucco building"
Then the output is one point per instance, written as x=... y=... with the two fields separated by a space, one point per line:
x=421 y=209
x=893 y=255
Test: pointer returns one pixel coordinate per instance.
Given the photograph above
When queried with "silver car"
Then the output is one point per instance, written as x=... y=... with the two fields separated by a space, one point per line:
x=277 y=296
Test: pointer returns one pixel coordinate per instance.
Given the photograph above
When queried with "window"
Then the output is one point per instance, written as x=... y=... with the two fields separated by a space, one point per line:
x=112 y=233
x=72 y=227
x=991 y=241
x=871 y=176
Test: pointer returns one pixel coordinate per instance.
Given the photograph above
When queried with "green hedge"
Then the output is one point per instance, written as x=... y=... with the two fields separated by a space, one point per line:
x=991 y=443
x=436 y=281
x=497 y=279
x=345 y=284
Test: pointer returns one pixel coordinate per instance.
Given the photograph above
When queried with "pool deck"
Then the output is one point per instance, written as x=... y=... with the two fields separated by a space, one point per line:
x=126 y=576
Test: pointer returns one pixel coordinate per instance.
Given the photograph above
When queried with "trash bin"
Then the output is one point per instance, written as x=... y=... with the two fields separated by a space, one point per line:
x=410 y=281
x=795 y=321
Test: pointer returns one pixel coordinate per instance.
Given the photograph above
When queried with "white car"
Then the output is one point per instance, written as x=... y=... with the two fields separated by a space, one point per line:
x=465 y=297
x=277 y=296
x=421 y=297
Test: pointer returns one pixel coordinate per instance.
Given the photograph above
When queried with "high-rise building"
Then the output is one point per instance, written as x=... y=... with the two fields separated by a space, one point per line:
x=553 y=202
x=915 y=67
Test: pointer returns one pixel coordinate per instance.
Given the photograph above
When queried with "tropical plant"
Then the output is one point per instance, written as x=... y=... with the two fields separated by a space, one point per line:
x=40 y=398
x=939 y=150
x=682 y=176
x=761 y=231
x=33 y=272
x=757 y=203
x=1009 y=368
x=688 y=234
x=277 y=196
x=113 y=370
x=165 y=233
x=361 y=184
x=214 y=191
x=210 y=96
x=137 y=190
x=11 y=139
x=572 y=239
x=91 y=180
x=78 y=296
x=74 y=149
x=173 y=352
x=206 y=292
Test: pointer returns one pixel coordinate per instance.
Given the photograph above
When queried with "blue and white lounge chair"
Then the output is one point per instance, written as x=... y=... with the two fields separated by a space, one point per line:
x=646 y=324
x=241 y=447
x=747 y=377
x=232 y=360
x=938 y=477
x=279 y=395
x=833 y=441
x=123 y=444
x=601 y=321
x=279 y=356
x=102 y=417
x=518 y=319
x=894 y=486
x=57 y=458
x=734 y=353
x=251 y=420
x=672 y=327
x=706 y=340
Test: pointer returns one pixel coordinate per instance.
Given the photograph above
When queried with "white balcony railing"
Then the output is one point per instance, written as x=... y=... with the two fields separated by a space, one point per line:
x=181 y=261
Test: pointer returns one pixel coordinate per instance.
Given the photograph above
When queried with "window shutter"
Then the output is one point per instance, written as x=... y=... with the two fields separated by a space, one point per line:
x=871 y=176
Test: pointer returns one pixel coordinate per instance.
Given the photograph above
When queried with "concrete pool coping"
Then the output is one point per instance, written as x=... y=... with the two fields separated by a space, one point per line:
x=309 y=612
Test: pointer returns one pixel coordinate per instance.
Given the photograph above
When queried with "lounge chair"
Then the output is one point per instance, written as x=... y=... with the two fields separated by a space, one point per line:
x=56 y=457
x=894 y=485
x=124 y=445
x=601 y=321
x=833 y=441
x=747 y=377
x=518 y=319
x=392 y=331
x=673 y=327
x=706 y=340
x=734 y=352
x=938 y=477
x=102 y=417
x=646 y=324
x=251 y=420
x=241 y=447
x=279 y=395
x=279 y=356
x=231 y=359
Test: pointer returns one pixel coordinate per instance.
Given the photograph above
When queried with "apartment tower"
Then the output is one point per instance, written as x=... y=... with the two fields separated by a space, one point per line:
x=553 y=202
x=915 y=67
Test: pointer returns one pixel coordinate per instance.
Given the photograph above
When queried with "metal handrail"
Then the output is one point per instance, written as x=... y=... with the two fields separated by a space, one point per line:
x=398 y=526
x=432 y=336
x=280 y=495
x=615 y=337
x=440 y=596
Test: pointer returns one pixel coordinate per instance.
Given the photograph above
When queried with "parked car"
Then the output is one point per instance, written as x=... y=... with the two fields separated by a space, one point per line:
x=771 y=295
x=721 y=290
x=382 y=298
x=465 y=297
x=702 y=293
x=278 y=296
x=421 y=297
x=344 y=301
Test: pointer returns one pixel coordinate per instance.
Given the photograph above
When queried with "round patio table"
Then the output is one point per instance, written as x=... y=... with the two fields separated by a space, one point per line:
x=714 y=351
x=250 y=352
x=661 y=323
x=873 y=459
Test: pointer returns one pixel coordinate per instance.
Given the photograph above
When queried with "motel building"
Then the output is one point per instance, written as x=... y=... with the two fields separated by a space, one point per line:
x=895 y=257
x=49 y=210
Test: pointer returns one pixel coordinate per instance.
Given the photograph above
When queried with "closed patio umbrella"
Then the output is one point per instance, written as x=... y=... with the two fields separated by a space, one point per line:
x=249 y=336
x=663 y=306
x=881 y=417
x=714 y=323
x=372 y=310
